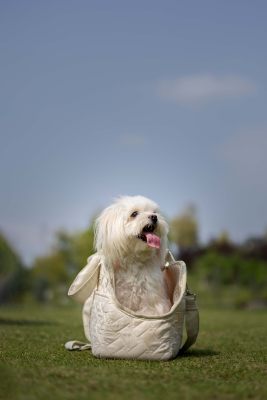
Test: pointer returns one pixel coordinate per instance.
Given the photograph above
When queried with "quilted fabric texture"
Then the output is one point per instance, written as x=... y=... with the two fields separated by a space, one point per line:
x=116 y=332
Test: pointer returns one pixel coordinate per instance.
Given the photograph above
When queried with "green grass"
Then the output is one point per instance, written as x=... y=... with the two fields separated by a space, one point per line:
x=228 y=361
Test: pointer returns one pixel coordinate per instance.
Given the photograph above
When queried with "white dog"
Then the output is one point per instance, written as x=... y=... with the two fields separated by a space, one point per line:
x=132 y=236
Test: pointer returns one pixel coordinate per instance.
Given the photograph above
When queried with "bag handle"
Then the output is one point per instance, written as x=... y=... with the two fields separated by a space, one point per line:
x=77 y=345
x=191 y=311
x=191 y=321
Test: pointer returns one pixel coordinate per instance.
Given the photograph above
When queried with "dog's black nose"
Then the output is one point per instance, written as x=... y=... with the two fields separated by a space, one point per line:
x=153 y=218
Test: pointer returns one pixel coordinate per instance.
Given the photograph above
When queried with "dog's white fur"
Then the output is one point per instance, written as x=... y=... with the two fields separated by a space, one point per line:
x=139 y=281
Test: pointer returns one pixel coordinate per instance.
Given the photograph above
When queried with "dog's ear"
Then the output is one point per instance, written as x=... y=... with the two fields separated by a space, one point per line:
x=109 y=232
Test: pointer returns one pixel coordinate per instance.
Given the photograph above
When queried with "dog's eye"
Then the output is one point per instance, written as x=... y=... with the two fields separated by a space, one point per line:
x=134 y=214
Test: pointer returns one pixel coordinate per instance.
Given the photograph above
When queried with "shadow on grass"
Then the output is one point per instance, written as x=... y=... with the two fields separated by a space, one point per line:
x=25 y=322
x=199 y=353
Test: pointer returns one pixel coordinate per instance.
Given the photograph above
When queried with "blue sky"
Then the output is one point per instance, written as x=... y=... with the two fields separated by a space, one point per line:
x=102 y=98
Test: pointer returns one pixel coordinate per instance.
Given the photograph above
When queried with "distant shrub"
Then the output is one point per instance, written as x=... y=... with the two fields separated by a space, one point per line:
x=222 y=270
x=13 y=275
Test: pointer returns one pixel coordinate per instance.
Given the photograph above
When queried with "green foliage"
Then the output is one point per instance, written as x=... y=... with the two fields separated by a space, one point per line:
x=49 y=274
x=83 y=245
x=223 y=239
x=13 y=275
x=222 y=270
x=184 y=229
x=52 y=274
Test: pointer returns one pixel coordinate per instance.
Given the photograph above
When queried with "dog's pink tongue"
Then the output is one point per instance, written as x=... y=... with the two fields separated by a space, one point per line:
x=153 y=240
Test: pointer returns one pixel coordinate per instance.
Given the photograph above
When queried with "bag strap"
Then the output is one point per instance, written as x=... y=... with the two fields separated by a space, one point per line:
x=77 y=345
x=191 y=320
x=191 y=311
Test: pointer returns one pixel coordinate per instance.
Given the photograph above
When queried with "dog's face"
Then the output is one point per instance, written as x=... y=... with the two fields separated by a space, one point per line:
x=132 y=225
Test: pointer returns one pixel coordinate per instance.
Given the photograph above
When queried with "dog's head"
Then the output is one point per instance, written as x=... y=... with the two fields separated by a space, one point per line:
x=132 y=226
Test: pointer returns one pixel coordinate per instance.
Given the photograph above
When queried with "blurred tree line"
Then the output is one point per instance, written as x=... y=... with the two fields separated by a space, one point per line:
x=13 y=274
x=49 y=276
x=52 y=274
x=221 y=272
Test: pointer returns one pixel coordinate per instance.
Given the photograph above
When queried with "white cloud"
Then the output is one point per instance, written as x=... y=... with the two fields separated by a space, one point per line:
x=198 y=88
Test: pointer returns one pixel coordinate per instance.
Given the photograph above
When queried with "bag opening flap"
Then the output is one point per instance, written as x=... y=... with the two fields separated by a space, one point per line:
x=86 y=280
x=175 y=278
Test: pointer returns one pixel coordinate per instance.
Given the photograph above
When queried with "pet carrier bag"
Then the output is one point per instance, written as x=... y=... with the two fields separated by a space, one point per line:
x=113 y=331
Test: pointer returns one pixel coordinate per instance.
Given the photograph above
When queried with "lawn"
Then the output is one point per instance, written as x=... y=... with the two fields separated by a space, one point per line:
x=227 y=362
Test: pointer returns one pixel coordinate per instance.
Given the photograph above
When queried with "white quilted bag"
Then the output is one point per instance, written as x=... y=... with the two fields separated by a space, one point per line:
x=114 y=331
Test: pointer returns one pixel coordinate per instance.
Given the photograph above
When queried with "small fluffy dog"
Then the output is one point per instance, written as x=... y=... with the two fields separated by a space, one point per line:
x=132 y=236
